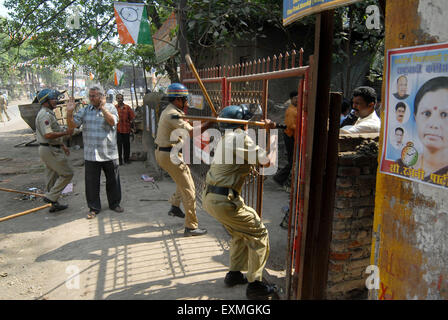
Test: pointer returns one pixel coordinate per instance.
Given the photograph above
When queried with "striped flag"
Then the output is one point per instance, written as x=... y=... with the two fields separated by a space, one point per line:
x=132 y=23
x=118 y=77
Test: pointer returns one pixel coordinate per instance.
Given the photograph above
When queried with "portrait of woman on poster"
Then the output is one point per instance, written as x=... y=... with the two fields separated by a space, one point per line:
x=431 y=118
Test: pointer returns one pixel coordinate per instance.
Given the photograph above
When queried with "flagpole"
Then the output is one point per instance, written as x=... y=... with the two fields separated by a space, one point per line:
x=132 y=98
x=144 y=76
x=73 y=81
x=135 y=89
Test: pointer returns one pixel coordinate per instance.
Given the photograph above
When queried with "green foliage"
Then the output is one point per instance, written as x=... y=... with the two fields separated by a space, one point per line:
x=352 y=37
x=218 y=23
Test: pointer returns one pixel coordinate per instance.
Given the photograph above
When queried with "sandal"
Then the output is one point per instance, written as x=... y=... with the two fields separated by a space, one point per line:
x=91 y=215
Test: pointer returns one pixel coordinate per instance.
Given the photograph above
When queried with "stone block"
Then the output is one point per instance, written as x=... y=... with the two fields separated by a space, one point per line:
x=340 y=235
x=365 y=212
x=357 y=264
x=336 y=256
x=349 y=171
x=346 y=193
x=344 y=182
x=342 y=213
x=346 y=286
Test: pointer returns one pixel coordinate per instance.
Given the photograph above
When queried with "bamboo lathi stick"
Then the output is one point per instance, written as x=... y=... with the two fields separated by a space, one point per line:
x=25 y=212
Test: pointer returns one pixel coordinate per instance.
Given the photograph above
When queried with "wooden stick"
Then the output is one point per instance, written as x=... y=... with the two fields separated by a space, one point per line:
x=23 y=192
x=25 y=212
x=226 y=120
x=204 y=91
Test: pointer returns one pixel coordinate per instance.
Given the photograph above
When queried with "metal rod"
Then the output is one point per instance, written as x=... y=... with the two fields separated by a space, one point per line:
x=25 y=212
x=204 y=91
x=73 y=81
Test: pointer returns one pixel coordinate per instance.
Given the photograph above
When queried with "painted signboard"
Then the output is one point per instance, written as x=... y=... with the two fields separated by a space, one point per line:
x=165 y=39
x=416 y=115
x=296 y=9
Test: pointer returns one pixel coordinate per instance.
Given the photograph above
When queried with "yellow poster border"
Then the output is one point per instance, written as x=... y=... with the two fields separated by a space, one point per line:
x=317 y=9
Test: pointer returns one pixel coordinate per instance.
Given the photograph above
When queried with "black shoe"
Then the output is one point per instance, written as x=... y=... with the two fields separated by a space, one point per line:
x=258 y=290
x=234 y=277
x=176 y=212
x=117 y=209
x=47 y=200
x=194 y=232
x=56 y=206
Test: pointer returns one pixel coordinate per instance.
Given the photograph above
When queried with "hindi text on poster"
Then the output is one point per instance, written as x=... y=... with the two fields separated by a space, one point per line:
x=415 y=144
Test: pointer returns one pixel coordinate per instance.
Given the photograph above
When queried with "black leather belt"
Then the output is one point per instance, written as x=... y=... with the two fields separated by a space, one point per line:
x=221 y=190
x=167 y=149
x=50 y=145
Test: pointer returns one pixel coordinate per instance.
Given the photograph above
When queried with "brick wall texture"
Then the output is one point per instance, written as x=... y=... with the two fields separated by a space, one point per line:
x=352 y=223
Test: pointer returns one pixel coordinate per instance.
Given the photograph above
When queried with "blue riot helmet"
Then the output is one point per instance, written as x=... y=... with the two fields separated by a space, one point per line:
x=240 y=112
x=48 y=94
x=177 y=90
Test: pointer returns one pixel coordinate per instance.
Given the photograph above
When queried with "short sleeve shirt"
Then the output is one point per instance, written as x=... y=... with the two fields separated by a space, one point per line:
x=236 y=155
x=167 y=124
x=46 y=122
x=125 y=116
x=99 y=137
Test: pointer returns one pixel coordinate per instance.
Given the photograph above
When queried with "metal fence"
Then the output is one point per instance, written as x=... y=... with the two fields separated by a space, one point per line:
x=236 y=84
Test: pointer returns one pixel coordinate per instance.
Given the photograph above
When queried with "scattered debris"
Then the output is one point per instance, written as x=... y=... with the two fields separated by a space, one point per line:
x=68 y=188
x=147 y=178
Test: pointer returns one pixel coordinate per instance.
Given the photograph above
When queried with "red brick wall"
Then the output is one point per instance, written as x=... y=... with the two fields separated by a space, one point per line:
x=353 y=218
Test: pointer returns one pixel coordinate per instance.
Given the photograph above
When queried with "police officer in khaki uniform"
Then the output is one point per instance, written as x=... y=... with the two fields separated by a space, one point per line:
x=52 y=150
x=236 y=155
x=3 y=107
x=185 y=190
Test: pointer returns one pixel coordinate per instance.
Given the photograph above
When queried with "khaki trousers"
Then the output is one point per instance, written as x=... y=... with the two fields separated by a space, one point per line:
x=57 y=171
x=249 y=247
x=185 y=190
x=3 y=109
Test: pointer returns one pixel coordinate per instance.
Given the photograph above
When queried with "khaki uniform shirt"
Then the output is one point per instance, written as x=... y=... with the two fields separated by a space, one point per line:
x=167 y=125
x=46 y=122
x=2 y=101
x=235 y=156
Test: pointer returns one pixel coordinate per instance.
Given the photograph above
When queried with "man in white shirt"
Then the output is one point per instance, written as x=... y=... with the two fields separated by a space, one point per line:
x=364 y=101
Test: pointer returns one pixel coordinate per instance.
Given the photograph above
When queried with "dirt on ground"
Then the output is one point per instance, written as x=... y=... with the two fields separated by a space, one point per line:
x=138 y=254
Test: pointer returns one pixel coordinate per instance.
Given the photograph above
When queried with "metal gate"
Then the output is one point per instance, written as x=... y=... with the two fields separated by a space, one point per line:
x=249 y=83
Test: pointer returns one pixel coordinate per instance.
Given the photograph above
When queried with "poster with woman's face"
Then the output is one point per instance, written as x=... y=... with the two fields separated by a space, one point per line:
x=416 y=115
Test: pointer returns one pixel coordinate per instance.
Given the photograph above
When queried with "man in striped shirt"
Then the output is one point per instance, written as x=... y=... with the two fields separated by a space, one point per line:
x=99 y=130
x=125 y=120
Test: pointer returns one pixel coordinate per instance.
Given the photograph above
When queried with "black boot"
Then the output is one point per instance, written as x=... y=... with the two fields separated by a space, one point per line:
x=258 y=290
x=234 y=277
x=55 y=206
x=176 y=212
